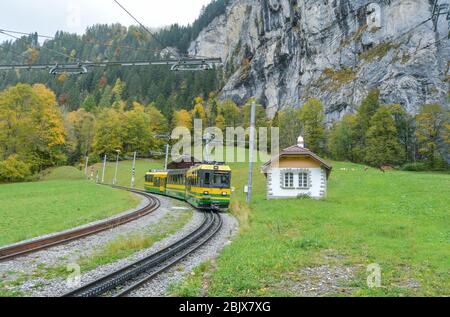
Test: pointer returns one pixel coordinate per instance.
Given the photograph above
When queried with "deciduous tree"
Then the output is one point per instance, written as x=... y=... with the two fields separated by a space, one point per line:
x=432 y=132
x=312 y=118
x=382 y=141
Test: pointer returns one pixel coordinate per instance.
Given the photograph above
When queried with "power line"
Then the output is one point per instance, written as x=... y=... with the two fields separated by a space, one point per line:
x=82 y=67
x=140 y=24
x=88 y=41
x=23 y=33
x=43 y=47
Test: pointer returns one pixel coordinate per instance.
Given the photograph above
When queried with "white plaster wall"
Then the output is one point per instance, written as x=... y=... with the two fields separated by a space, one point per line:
x=316 y=190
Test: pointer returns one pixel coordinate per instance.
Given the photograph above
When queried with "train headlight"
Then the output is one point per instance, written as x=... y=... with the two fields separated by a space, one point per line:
x=205 y=193
x=224 y=194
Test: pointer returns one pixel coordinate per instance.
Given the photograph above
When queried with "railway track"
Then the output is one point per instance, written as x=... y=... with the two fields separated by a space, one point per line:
x=129 y=278
x=58 y=239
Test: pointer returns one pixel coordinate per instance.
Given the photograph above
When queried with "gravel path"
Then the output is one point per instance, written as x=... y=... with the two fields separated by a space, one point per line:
x=158 y=286
x=66 y=254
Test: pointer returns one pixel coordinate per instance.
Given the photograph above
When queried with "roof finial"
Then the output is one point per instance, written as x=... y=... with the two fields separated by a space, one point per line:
x=301 y=142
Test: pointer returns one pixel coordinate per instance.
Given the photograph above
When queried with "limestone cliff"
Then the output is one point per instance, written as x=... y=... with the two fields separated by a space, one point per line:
x=286 y=51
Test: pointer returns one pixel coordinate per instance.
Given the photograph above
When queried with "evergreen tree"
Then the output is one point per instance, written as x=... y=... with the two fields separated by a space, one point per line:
x=366 y=111
x=105 y=100
x=89 y=103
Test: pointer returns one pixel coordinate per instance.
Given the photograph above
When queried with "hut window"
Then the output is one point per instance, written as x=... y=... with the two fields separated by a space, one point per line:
x=288 y=180
x=303 y=180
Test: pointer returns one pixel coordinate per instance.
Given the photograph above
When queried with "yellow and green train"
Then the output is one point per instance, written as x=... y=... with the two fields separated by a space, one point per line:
x=204 y=186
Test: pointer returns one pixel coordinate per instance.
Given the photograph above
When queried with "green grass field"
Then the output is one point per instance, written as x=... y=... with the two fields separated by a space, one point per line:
x=63 y=200
x=125 y=171
x=398 y=220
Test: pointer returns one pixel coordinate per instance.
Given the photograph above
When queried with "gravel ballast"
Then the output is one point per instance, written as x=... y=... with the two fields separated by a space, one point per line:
x=158 y=287
x=24 y=267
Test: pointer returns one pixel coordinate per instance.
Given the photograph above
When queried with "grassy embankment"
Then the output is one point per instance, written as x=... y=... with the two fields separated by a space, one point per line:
x=399 y=220
x=64 y=199
x=125 y=169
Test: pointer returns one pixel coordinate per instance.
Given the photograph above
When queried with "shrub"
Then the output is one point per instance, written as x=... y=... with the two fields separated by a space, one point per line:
x=304 y=196
x=415 y=167
x=14 y=170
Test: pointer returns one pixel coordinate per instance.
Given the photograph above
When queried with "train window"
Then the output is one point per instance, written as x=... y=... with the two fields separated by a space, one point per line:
x=222 y=179
x=207 y=179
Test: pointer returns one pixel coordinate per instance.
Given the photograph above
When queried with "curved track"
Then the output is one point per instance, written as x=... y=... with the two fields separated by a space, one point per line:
x=125 y=280
x=44 y=243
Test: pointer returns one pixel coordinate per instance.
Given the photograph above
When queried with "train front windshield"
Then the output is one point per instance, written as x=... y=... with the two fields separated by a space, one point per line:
x=217 y=179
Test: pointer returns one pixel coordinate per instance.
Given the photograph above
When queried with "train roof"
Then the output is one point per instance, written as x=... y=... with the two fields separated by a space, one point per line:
x=220 y=167
x=157 y=173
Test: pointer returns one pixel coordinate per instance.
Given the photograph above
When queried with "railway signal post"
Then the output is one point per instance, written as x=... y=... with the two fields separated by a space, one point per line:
x=86 y=166
x=104 y=168
x=167 y=157
x=251 y=149
x=133 y=172
x=117 y=167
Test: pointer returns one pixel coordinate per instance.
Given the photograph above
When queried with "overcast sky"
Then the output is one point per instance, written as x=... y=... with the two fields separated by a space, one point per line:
x=48 y=16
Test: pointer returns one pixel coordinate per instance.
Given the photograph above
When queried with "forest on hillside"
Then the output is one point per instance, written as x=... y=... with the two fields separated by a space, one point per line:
x=48 y=121
x=115 y=42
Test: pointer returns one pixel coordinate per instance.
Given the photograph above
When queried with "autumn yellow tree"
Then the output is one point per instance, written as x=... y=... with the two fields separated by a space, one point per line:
x=137 y=132
x=182 y=118
x=31 y=126
x=231 y=113
x=220 y=122
x=109 y=132
x=199 y=113
x=158 y=124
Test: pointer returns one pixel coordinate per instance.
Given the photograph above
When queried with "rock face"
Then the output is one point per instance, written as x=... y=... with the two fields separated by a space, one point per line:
x=286 y=51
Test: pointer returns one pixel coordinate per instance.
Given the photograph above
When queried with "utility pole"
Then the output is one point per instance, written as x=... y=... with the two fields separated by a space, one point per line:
x=104 y=168
x=117 y=167
x=86 y=166
x=252 y=147
x=133 y=172
x=167 y=157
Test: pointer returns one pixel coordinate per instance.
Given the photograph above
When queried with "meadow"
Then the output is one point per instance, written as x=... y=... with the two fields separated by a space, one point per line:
x=396 y=220
x=62 y=200
x=399 y=221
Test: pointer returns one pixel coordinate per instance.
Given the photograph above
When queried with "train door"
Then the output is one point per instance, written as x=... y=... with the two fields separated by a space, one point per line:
x=163 y=185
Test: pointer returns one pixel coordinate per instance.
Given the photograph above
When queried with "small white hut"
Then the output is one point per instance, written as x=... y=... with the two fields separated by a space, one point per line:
x=297 y=172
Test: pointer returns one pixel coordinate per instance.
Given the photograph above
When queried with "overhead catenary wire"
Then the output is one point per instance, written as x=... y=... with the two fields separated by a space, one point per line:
x=83 y=39
x=158 y=40
x=24 y=33
x=143 y=26
x=44 y=47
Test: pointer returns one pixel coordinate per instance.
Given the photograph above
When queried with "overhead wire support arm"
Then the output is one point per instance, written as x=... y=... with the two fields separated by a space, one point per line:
x=83 y=67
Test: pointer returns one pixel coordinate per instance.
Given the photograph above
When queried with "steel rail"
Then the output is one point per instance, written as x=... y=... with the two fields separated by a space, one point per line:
x=176 y=260
x=58 y=239
x=145 y=269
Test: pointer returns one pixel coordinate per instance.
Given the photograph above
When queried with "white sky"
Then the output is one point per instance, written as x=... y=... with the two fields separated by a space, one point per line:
x=48 y=16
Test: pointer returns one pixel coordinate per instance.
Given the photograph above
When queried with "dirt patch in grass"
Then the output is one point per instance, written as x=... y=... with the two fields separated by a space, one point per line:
x=322 y=280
